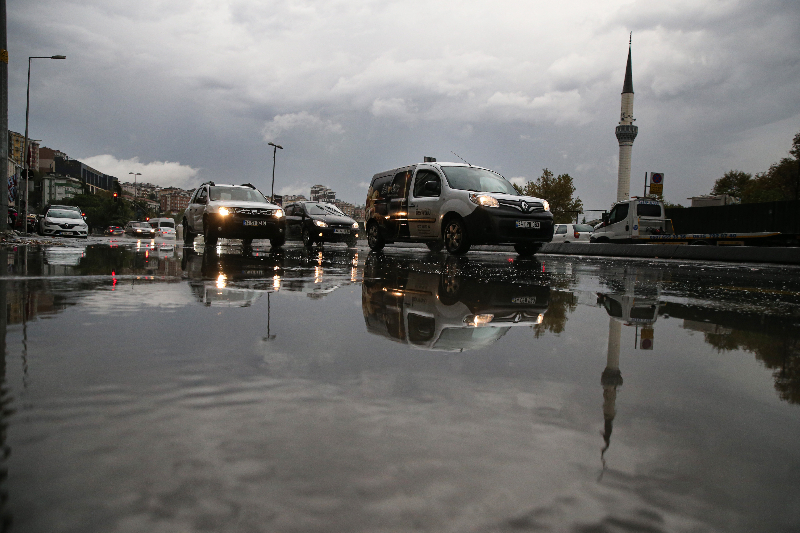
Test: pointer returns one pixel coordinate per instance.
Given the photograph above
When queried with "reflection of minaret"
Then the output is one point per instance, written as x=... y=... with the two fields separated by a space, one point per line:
x=610 y=379
x=626 y=133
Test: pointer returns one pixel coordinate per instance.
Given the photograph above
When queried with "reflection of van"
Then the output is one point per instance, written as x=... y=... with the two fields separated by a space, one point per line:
x=445 y=311
x=165 y=227
x=452 y=206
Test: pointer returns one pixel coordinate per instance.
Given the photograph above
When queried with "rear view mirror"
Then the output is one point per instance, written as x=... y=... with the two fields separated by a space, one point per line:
x=605 y=218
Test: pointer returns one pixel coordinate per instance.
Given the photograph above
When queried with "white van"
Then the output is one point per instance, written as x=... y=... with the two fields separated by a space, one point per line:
x=165 y=227
x=453 y=206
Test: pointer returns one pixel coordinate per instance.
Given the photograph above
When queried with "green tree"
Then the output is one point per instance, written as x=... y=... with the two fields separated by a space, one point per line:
x=733 y=183
x=558 y=192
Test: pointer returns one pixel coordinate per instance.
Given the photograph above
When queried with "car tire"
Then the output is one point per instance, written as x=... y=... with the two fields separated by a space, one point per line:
x=308 y=240
x=277 y=242
x=456 y=241
x=188 y=234
x=208 y=237
x=527 y=249
x=435 y=246
x=374 y=238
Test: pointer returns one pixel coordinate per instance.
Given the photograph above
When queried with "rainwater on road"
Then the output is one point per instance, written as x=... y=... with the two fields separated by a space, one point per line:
x=147 y=387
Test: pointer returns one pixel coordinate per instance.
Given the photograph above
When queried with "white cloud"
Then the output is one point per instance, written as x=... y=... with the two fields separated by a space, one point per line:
x=299 y=121
x=164 y=173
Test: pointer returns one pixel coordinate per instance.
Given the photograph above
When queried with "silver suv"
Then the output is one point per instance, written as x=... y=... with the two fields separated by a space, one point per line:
x=232 y=212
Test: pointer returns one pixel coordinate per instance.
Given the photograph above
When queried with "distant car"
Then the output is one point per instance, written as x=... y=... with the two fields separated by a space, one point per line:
x=63 y=222
x=140 y=229
x=114 y=230
x=572 y=233
x=318 y=222
x=165 y=227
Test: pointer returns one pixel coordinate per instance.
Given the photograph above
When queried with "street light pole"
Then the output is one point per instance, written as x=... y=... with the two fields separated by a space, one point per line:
x=25 y=158
x=274 y=151
x=135 y=192
x=25 y=164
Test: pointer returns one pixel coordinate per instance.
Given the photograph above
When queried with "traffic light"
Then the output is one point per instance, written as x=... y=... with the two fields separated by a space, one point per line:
x=115 y=197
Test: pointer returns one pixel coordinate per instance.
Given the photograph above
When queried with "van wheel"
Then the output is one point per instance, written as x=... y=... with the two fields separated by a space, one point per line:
x=456 y=241
x=374 y=238
x=435 y=246
x=526 y=249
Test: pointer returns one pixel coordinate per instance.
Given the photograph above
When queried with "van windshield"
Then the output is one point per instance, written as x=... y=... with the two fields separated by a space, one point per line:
x=166 y=224
x=478 y=180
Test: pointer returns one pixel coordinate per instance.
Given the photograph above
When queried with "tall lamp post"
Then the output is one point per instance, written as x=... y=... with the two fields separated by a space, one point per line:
x=25 y=164
x=274 y=151
x=135 y=192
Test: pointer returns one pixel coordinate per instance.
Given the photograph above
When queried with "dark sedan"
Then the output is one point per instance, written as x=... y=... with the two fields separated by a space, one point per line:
x=140 y=229
x=318 y=222
x=114 y=230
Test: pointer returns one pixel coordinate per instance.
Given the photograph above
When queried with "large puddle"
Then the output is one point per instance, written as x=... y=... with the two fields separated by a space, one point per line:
x=150 y=389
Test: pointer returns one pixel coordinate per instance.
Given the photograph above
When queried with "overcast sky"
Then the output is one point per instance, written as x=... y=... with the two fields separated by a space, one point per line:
x=187 y=91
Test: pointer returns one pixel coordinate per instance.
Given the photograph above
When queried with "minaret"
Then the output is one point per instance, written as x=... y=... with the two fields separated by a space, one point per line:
x=626 y=133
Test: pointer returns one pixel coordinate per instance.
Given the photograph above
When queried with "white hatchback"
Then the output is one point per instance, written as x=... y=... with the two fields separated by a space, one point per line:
x=572 y=233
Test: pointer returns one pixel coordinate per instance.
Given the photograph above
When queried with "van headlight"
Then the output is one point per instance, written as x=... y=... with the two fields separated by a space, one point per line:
x=546 y=205
x=355 y=225
x=484 y=199
x=477 y=321
x=320 y=223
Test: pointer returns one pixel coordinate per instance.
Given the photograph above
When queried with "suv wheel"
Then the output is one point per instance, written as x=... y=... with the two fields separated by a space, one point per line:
x=374 y=237
x=435 y=246
x=188 y=234
x=455 y=236
x=277 y=242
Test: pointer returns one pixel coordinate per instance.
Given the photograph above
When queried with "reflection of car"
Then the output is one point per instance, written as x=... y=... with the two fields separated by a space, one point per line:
x=232 y=212
x=165 y=227
x=140 y=229
x=114 y=230
x=572 y=233
x=445 y=310
x=63 y=222
x=317 y=222
x=453 y=206
x=230 y=280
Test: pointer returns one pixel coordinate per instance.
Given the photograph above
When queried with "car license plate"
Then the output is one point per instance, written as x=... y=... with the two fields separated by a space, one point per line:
x=535 y=224
x=341 y=231
x=255 y=222
x=524 y=300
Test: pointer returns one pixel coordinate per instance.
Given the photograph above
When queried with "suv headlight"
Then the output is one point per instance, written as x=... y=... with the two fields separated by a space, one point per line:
x=484 y=199
x=355 y=225
x=278 y=213
x=320 y=224
x=546 y=205
x=223 y=211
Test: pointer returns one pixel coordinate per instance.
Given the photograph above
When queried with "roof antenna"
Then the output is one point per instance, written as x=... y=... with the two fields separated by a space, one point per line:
x=458 y=156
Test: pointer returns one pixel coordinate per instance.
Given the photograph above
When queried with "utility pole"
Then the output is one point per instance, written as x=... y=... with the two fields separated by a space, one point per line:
x=3 y=116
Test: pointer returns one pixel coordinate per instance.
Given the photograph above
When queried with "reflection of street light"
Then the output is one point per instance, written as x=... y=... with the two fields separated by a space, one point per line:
x=25 y=145
x=135 y=192
x=274 y=151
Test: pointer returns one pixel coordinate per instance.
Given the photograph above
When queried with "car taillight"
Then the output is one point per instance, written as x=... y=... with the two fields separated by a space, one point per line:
x=577 y=234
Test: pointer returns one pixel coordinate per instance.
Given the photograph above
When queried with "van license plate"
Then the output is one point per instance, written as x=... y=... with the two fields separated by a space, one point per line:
x=255 y=222
x=535 y=224
x=341 y=231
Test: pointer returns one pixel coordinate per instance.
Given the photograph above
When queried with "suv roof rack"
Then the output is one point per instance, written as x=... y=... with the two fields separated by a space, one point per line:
x=208 y=183
x=248 y=185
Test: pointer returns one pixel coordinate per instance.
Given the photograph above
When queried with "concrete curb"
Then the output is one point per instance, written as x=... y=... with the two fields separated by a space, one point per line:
x=734 y=254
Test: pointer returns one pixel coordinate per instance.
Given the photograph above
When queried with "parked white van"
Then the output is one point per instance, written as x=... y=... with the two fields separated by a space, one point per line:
x=165 y=227
x=453 y=206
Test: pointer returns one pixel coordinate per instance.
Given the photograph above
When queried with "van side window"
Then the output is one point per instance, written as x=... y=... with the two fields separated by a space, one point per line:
x=618 y=214
x=648 y=210
x=400 y=184
x=427 y=184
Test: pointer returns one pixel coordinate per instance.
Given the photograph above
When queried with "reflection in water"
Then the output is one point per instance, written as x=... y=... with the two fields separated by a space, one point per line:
x=443 y=307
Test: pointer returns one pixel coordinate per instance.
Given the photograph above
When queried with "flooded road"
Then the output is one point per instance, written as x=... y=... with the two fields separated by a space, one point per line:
x=150 y=388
